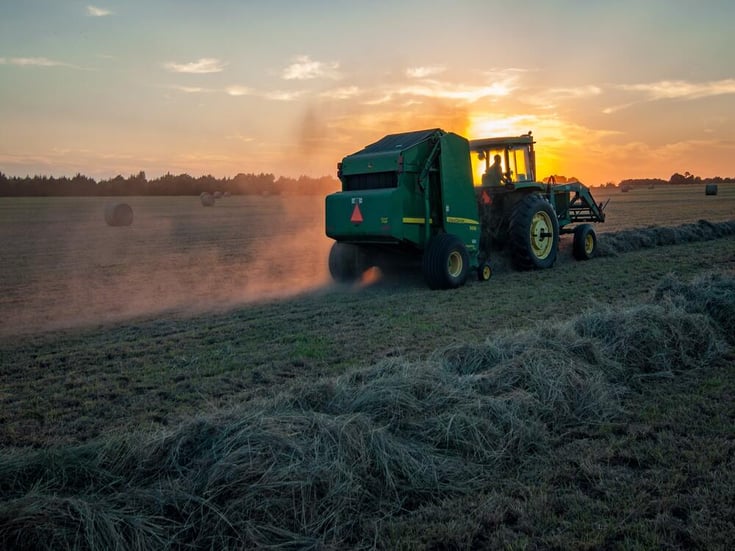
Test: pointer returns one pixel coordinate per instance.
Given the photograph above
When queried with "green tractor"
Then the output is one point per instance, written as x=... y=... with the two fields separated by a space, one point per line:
x=435 y=196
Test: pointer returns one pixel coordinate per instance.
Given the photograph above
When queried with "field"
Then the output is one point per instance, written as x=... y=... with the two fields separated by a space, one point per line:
x=195 y=380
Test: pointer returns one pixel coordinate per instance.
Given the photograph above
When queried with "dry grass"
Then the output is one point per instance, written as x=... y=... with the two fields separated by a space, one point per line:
x=613 y=243
x=330 y=464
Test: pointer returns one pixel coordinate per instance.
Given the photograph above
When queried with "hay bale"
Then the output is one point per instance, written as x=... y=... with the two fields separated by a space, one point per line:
x=118 y=214
x=207 y=199
x=218 y=195
x=710 y=189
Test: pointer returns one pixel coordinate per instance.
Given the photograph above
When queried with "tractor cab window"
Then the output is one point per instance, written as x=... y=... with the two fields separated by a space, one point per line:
x=494 y=167
x=488 y=167
x=519 y=164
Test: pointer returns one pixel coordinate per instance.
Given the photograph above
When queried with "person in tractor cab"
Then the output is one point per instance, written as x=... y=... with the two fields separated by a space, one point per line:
x=494 y=174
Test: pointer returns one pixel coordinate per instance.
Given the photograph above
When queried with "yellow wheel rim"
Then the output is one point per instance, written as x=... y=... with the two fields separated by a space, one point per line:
x=589 y=244
x=455 y=264
x=542 y=233
x=486 y=273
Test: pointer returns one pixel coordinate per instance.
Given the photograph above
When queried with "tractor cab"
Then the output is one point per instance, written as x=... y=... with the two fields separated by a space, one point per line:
x=503 y=161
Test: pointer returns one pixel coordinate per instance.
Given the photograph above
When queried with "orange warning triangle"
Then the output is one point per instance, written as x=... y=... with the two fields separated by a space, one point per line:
x=356 y=217
x=486 y=200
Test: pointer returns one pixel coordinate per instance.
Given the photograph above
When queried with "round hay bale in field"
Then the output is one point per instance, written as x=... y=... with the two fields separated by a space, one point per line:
x=207 y=200
x=710 y=189
x=118 y=214
x=226 y=194
x=218 y=195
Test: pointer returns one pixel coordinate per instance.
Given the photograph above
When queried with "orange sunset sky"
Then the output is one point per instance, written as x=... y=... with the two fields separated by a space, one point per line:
x=611 y=89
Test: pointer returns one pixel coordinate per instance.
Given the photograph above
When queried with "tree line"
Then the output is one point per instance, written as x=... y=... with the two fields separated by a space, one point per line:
x=676 y=179
x=242 y=184
x=168 y=184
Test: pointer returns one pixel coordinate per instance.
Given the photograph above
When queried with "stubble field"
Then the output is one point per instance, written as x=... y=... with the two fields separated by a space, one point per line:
x=130 y=344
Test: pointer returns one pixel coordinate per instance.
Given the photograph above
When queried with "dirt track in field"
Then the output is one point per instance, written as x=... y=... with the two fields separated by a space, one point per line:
x=62 y=266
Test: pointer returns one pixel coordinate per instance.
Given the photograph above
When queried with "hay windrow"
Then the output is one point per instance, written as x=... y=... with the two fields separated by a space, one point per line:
x=326 y=464
x=613 y=243
x=711 y=295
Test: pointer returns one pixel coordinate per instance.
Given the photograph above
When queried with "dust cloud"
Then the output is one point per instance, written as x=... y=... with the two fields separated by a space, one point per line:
x=62 y=267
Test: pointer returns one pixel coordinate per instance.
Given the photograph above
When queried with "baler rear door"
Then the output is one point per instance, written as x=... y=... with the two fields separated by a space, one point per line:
x=459 y=204
x=367 y=216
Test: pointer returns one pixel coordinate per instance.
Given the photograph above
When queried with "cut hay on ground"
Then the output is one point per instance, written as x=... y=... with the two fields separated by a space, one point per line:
x=611 y=244
x=329 y=464
x=118 y=214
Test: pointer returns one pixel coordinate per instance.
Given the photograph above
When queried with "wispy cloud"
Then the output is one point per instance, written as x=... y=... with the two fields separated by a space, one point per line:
x=576 y=92
x=550 y=98
x=346 y=92
x=192 y=89
x=424 y=72
x=35 y=62
x=680 y=89
x=674 y=89
x=279 y=95
x=200 y=66
x=460 y=92
x=94 y=11
x=236 y=90
x=240 y=138
x=304 y=68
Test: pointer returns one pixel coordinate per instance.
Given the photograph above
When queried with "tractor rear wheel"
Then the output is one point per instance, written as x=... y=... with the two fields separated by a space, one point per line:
x=345 y=262
x=446 y=262
x=534 y=233
x=584 y=246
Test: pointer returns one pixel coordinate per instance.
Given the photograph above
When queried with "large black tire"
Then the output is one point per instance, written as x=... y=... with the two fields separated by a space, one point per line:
x=446 y=262
x=345 y=262
x=533 y=233
x=585 y=242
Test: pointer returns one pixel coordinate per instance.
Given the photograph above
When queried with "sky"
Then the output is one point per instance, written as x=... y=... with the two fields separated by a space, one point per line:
x=611 y=89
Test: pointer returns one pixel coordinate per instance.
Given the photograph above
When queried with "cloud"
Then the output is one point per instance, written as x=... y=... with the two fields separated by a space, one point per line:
x=278 y=95
x=35 y=62
x=680 y=89
x=201 y=66
x=94 y=11
x=237 y=90
x=424 y=72
x=549 y=98
x=192 y=89
x=576 y=92
x=674 y=89
x=240 y=138
x=275 y=95
x=304 y=68
x=341 y=93
x=461 y=92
